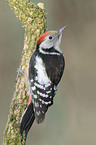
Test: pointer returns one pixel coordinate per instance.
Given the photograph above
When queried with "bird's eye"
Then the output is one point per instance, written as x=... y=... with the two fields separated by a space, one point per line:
x=50 y=37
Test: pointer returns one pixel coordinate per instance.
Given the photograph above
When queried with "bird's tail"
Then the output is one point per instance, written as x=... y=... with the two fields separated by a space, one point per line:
x=27 y=119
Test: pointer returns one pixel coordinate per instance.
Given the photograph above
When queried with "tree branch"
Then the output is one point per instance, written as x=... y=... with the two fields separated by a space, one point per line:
x=33 y=19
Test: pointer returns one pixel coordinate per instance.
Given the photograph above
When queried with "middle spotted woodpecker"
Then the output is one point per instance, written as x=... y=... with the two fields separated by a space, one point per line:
x=46 y=68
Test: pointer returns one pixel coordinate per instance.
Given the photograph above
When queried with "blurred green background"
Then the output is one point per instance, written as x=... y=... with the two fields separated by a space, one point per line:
x=72 y=118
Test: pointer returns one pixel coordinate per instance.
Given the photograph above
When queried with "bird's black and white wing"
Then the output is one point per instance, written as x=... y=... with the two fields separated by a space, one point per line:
x=41 y=88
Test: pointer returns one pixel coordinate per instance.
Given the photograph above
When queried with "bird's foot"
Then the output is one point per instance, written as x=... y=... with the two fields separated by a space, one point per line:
x=19 y=72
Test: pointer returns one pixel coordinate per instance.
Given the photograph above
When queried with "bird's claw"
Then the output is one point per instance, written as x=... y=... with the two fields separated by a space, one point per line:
x=19 y=71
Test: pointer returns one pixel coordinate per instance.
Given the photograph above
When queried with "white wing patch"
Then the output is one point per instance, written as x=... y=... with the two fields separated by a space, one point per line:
x=41 y=72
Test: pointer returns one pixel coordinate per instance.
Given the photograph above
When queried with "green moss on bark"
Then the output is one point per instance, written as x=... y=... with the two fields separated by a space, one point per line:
x=33 y=19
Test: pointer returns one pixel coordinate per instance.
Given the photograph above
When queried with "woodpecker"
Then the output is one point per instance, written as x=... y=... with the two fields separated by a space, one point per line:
x=46 y=68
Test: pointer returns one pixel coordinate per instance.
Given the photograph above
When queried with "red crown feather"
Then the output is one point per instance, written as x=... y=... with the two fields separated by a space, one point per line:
x=42 y=37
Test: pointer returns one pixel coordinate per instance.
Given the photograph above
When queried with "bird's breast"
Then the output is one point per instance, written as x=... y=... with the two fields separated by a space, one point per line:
x=42 y=76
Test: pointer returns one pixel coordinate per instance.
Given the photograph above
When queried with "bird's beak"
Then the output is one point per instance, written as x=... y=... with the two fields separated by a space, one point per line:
x=61 y=30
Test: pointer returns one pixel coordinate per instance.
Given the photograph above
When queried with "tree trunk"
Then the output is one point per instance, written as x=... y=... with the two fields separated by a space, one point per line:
x=33 y=19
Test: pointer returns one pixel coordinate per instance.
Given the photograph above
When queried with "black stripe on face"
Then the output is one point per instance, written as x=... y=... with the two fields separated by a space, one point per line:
x=52 y=49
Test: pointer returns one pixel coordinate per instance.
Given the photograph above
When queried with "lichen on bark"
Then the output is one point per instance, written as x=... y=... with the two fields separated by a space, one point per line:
x=34 y=21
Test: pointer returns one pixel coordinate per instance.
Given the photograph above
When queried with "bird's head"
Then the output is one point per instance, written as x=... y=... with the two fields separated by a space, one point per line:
x=50 y=39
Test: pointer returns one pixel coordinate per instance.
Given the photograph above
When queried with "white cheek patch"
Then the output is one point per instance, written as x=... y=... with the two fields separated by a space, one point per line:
x=41 y=72
x=48 y=44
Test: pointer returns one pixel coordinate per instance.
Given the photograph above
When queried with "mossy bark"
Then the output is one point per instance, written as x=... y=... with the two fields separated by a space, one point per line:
x=34 y=20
